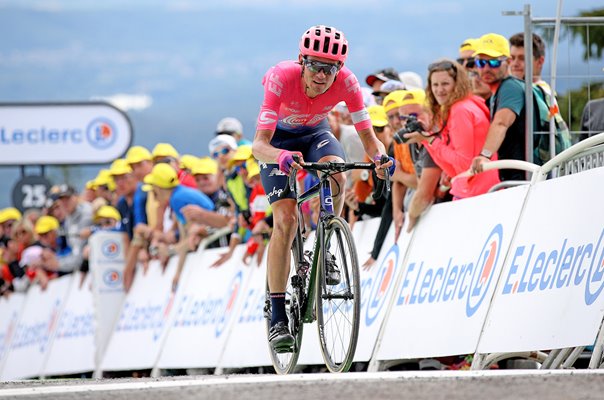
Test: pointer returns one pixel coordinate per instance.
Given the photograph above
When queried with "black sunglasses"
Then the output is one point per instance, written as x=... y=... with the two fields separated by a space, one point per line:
x=378 y=129
x=442 y=66
x=467 y=62
x=318 y=66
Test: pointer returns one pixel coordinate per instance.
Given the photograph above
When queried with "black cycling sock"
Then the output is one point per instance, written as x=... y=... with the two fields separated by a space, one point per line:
x=278 y=308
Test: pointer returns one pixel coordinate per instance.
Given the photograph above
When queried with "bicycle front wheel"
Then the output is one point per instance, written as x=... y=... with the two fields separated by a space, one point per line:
x=338 y=303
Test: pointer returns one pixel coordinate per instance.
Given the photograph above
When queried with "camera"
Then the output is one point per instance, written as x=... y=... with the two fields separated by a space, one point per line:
x=412 y=125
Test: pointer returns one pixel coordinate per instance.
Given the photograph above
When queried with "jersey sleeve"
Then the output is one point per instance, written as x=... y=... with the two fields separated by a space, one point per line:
x=354 y=101
x=511 y=96
x=274 y=86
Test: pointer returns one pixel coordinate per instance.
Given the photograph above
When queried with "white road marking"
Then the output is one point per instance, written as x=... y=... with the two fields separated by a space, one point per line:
x=259 y=379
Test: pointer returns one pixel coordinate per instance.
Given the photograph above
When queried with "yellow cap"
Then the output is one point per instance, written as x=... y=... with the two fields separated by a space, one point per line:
x=8 y=214
x=107 y=212
x=164 y=150
x=205 y=166
x=90 y=185
x=393 y=100
x=493 y=45
x=253 y=169
x=163 y=176
x=468 y=44
x=104 y=178
x=45 y=224
x=120 y=167
x=137 y=154
x=415 y=96
x=378 y=115
x=243 y=152
x=187 y=161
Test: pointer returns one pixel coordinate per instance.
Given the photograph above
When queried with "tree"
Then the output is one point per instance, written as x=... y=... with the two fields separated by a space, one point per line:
x=592 y=36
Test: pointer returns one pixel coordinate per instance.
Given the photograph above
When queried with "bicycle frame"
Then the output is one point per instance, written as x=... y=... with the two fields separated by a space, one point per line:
x=323 y=190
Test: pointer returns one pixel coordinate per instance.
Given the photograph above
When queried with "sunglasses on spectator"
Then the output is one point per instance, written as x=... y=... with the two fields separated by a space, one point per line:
x=165 y=160
x=223 y=151
x=318 y=66
x=467 y=62
x=443 y=66
x=495 y=63
x=405 y=117
x=379 y=129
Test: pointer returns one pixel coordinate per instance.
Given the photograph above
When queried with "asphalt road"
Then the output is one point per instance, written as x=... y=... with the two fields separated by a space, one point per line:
x=450 y=385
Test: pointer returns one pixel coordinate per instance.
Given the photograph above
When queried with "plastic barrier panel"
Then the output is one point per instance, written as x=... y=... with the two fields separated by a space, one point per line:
x=107 y=261
x=72 y=349
x=550 y=292
x=204 y=309
x=36 y=329
x=143 y=320
x=10 y=311
x=377 y=282
x=449 y=276
x=247 y=343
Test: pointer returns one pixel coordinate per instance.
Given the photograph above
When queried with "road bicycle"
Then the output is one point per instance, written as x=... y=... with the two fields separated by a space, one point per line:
x=309 y=295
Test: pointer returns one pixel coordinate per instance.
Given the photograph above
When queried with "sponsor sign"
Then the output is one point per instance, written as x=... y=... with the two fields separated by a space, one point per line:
x=36 y=330
x=143 y=319
x=550 y=292
x=62 y=133
x=205 y=307
x=10 y=311
x=72 y=349
x=449 y=276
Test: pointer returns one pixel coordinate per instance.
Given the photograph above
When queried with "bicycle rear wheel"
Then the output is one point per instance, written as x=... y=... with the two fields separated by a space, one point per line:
x=285 y=363
x=339 y=306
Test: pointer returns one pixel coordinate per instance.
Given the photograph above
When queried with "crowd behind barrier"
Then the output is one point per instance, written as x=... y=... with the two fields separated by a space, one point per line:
x=158 y=206
x=500 y=283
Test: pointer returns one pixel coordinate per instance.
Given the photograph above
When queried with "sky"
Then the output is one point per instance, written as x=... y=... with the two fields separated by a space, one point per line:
x=179 y=66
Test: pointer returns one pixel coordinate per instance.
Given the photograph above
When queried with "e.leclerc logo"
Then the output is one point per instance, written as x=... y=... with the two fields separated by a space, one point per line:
x=110 y=248
x=112 y=278
x=456 y=281
x=381 y=285
x=557 y=268
x=101 y=133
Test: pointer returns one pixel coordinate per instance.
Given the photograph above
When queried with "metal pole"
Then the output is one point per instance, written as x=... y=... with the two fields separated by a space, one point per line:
x=528 y=82
x=554 y=63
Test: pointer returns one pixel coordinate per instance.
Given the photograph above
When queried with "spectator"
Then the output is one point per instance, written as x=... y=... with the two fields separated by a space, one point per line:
x=106 y=218
x=428 y=173
x=163 y=182
x=461 y=121
x=404 y=180
x=506 y=135
x=40 y=260
x=187 y=161
x=261 y=215
x=232 y=126
x=388 y=87
x=204 y=172
x=467 y=60
x=517 y=59
x=8 y=217
x=222 y=148
x=345 y=132
x=77 y=216
x=104 y=186
x=166 y=153
x=592 y=119
x=125 y=183
x=239 y=193
x=376 y=79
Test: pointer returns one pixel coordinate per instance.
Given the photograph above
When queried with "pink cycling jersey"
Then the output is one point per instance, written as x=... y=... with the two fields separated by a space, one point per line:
x=287 y=107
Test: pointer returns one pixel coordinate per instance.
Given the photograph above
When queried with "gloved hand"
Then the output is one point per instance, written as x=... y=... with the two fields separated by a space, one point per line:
x=286 y=160
x=391 y=168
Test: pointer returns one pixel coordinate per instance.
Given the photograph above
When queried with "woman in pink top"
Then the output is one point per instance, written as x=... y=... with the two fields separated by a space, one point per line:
x=462 y=121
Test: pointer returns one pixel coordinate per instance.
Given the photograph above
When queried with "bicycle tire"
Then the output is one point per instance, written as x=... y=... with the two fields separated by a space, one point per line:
x=285 y=363
x=338 y=334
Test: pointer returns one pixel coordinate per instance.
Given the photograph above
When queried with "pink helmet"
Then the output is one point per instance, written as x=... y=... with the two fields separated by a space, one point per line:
x=324 y=41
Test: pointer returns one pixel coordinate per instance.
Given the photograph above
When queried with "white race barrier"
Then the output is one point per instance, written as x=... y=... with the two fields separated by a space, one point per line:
x=449 y=276
x=138 y=333
x=10 y=310
x=107 y=260
x=72 y=349
x=36 y=329
x=204 y=308
x=550 y=292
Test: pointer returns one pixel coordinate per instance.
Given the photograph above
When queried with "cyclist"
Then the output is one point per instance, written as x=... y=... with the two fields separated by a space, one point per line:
x=298 y=96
